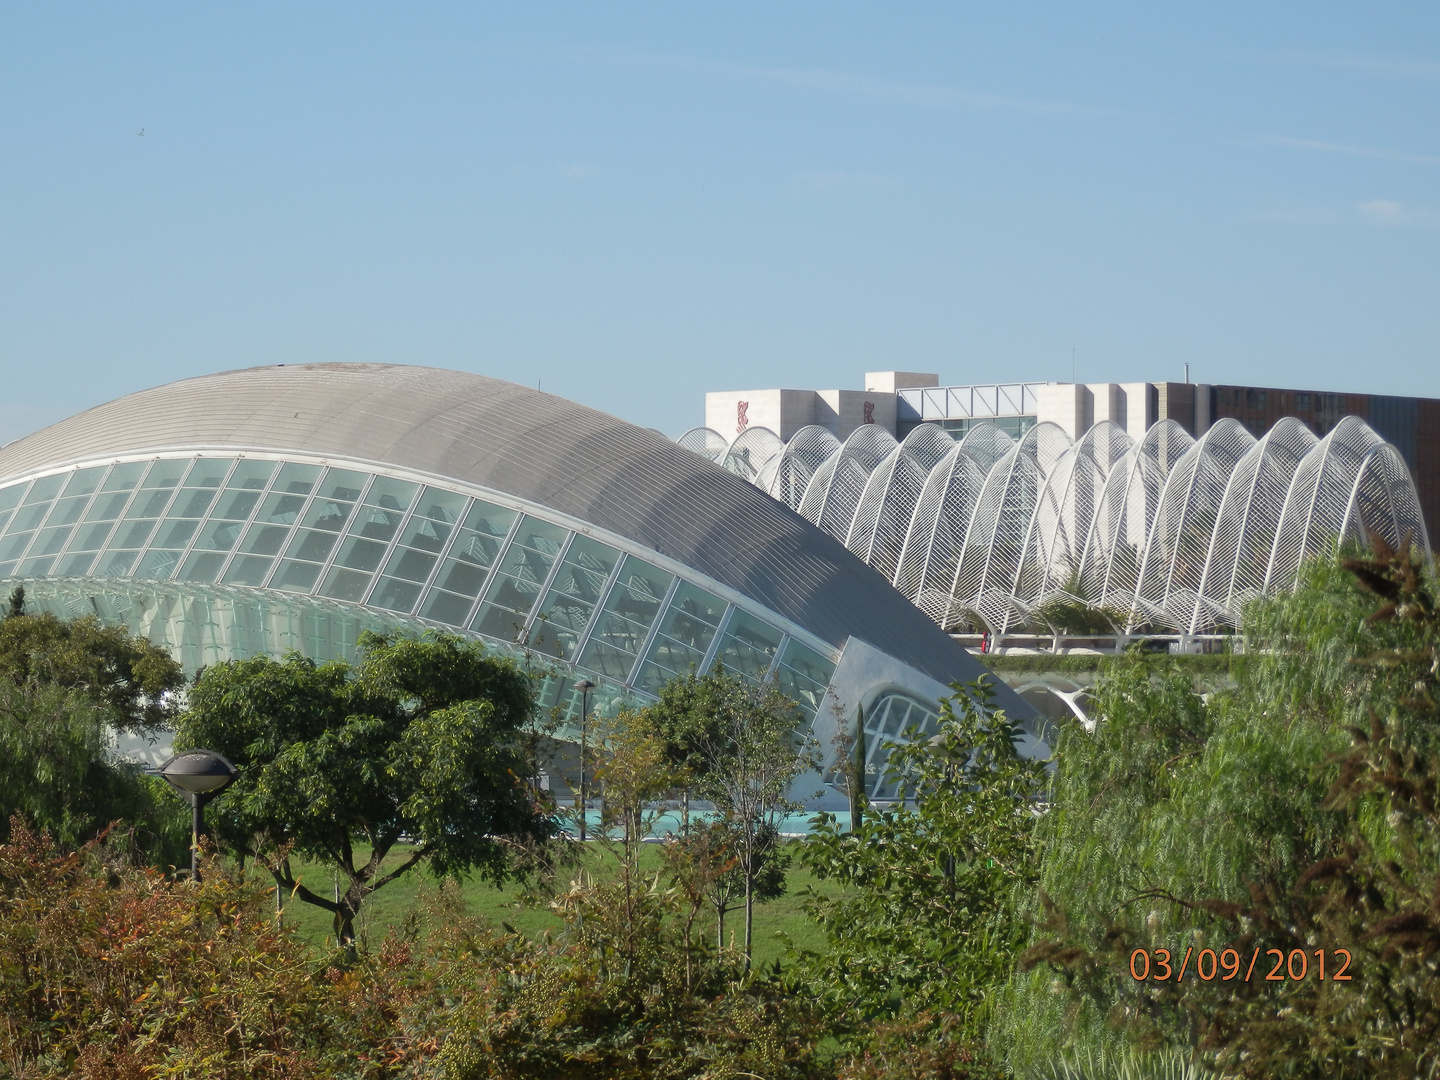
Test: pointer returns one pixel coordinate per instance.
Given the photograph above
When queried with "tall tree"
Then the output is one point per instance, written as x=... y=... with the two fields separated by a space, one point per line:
x=419 y=751
x=66 y=686
x=743 y=746
x=925 y=930
x=1296 y=813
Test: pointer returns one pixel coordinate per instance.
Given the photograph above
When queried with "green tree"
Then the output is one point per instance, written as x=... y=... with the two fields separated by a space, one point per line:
x=66 y=686
x=419 y=749
x=742 y=747
x=925 y=929
x=1296 y=812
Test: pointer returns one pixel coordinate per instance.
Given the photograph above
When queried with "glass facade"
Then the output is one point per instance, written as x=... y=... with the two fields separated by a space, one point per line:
x=288 y=554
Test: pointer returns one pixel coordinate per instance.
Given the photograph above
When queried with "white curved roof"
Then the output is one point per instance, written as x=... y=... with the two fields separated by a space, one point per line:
x=544 y=449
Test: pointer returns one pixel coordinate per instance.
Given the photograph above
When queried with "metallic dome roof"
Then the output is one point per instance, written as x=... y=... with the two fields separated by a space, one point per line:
x=510 y=438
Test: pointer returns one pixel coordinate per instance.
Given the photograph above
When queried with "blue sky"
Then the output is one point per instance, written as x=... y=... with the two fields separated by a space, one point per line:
x=633 y=203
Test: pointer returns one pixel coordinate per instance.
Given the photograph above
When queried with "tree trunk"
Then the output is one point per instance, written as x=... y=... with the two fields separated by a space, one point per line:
x=749 y=915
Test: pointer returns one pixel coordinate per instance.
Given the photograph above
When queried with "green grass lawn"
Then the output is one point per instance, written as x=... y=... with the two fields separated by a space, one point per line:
x=530 y=914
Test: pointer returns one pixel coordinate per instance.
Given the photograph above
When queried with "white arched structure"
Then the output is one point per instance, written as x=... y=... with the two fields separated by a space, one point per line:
x=1168 y=532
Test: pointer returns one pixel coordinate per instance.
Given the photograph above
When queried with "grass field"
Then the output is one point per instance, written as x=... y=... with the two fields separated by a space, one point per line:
x=531 y=915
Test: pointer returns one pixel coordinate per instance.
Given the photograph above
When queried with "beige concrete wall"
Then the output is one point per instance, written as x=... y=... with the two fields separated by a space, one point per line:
x=842 y=411
x=1107 y=402
x=782 y=411
x=1065 y=404
x=889 y=381
x=1137 y=412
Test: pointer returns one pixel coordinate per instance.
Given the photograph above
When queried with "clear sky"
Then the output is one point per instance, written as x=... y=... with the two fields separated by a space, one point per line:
x=633 y=203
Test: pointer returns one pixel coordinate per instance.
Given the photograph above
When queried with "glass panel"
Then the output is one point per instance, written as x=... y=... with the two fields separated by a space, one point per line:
x=149 y=503
x=67 y=511
x=107 y=507
x=91 y=537
x=748 y=646
x=76 y=565
x=297 y=479
x=541 y=536
x=133 y=534
x=516 y=585
x=251 y=475
x=447 y=607
x=28 y=517
x=387 y=493
x=686 y=630
x=192 y=502
x=281 y=508
x=477 y=543
x=166 y=474
x=44 y=489
x=178 y=533
x=33 y=567
x=209 y=472
x=343 y=584
x=573 y=596
x=328 y=514
x=265 y=539
x=236 y=505
x=117 y=563
x=157 y=565
x=803 y=675
x=295 y=576
x=248 y=570
x=433 y=521
x=124 y=477
x=361 y=554
x=14 y=545
x=84 y=481
x=202 y=566
x=395 y=595
x=620 y=631
x=410 y=565
x=219 y=535
x=312 y=544
x=49 y=541
x=343 y=484
x=10 y=496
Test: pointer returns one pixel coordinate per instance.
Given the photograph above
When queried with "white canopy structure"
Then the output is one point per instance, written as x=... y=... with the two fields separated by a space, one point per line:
x=1171 y=532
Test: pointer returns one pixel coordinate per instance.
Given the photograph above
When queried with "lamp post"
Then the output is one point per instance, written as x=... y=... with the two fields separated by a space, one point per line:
x=584 y=686
x=198 y=776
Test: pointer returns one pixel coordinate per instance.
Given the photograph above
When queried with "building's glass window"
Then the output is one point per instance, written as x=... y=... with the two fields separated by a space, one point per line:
x=578 y=585
x=1014 y=426
x=519 y=578
x=625 y=622
x=320 y=527
x=886 y=721
x=421 y=544
x=803 y=674
x=462 y=574
x=748 y=646
x=370 y=533
x=686 y=630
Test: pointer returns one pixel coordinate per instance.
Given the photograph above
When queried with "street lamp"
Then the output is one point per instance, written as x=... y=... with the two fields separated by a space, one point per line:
x=198 y=776
x=584 y=686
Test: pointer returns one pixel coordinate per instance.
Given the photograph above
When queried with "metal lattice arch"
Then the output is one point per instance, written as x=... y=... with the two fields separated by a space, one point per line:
x=1170 y=533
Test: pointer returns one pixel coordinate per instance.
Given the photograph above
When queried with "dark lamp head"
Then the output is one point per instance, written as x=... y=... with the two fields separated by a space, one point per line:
x=199 y=771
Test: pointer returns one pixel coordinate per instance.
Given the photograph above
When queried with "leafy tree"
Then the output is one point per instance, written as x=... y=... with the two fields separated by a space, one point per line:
x=741 y=747
x=65 y=688
x=423 y=741
x=1263 y=830
x=925 y=930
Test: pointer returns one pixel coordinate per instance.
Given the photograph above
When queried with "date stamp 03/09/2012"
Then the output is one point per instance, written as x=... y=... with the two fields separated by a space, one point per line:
x=1158 y=965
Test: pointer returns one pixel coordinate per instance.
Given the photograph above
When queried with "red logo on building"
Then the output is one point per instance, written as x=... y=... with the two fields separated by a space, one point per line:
x=741 y=420
x=869 y=412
